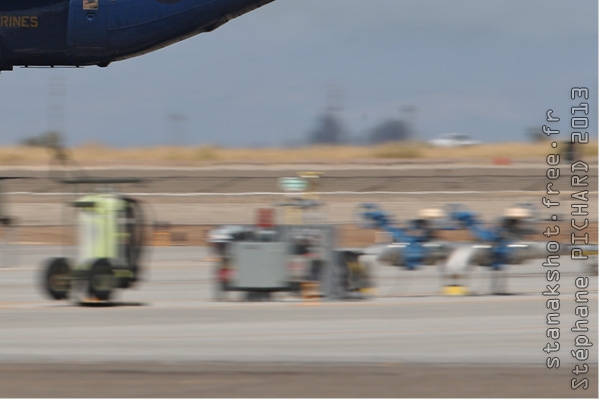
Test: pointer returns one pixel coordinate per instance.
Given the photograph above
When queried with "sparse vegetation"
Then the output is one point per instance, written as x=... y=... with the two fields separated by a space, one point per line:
x=50 y=139
x=590 y=150
x=206 y=153
x=400 y=150
x=10 y=159
x=97 y=154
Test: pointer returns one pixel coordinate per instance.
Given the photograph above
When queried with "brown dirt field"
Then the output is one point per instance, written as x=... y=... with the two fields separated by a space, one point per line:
x=98 y=154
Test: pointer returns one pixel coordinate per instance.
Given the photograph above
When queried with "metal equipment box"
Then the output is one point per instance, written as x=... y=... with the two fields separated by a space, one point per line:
x=261 y=265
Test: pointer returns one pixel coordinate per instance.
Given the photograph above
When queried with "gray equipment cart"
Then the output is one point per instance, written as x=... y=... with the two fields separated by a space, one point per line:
x=262 y=261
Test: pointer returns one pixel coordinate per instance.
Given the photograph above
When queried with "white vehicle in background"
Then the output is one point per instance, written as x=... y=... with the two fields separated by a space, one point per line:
x=453 y=140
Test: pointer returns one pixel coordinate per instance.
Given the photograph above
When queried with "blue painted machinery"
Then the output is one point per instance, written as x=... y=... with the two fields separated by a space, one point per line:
x=413 y=245
x=500 y=238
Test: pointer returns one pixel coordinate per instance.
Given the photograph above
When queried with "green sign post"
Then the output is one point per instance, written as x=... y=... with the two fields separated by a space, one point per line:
x=293 y=184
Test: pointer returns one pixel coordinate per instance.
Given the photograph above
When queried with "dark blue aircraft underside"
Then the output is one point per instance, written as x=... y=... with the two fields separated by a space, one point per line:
x=97 y=32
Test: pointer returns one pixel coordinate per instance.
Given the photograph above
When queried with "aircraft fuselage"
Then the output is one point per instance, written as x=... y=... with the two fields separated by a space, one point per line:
x=97 y=32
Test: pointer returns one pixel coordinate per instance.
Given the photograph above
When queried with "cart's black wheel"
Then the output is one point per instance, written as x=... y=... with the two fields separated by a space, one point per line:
x=266 y=296
x=124 y=283
x=357 y=276
x=57 y=278
x=295 y=287
x=101 y=279
x=258 y=296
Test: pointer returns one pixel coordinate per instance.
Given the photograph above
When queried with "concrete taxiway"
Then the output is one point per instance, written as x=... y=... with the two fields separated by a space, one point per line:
x=170 y=325
x=171 y=317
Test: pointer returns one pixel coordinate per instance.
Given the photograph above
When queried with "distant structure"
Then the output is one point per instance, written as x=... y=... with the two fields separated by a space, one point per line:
x=330 y=130
x=389 y=131
x=395 y=129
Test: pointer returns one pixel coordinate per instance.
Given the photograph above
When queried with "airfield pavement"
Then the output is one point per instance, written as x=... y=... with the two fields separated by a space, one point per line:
x=167 y=337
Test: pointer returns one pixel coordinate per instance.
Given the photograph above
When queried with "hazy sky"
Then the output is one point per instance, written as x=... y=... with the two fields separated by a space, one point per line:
x=486 y=68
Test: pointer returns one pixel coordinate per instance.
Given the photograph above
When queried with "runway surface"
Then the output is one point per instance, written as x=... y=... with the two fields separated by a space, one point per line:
x=409 y=341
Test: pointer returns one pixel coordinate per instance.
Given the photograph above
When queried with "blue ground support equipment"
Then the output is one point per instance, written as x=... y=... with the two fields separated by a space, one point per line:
x=413 y=243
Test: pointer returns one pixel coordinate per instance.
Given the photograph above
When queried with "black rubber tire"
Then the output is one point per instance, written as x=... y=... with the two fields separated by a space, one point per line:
x=101 y=280
x=258 y=296
x=124 y=283
x=56 y=280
